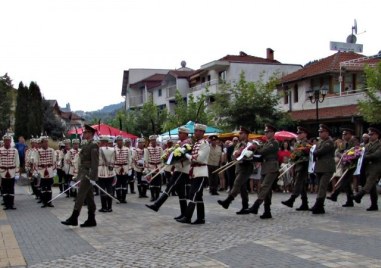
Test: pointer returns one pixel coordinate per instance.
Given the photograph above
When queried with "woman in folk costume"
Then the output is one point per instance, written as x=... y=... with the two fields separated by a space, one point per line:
x=9 y=166
x=46 y=165
x=198 y=173
x=106 y=173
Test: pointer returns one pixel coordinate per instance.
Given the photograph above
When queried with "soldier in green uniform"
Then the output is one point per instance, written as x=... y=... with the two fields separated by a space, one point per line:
x=243 y=170
x=269 y=173
x=301 y=172
x=324 y=166
x=372 y=166
x=88 y=175
x=346 y=182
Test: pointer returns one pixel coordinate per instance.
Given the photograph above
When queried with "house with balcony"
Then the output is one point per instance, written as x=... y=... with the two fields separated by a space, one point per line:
x=137 y=95
x=327 y=91
x=211 y=76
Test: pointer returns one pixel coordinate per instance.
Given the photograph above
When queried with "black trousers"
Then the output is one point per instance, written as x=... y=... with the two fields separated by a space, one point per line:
x=8 y=189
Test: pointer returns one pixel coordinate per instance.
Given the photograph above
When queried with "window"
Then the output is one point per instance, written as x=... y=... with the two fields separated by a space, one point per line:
x=296 y=96
x=159 y=92
x=286 y=96
x=222 y=76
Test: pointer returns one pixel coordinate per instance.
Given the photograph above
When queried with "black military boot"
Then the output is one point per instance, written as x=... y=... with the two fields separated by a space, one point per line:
x=349 y=202
x=104 y=204
x=318 y=208
x=254 y=208
x=334 y=195
x=109 y=204
x=200 y=214
x=144 y=191
x=225 y=203
x=73 y=219
x=183 y=208
x=132 y=187
x=188 y=215
x=44 y=200
x=245 y=206
x=124 y=195
x=359 y=196
x=12 y=199
x=290 y=201
x=140 y=191
x=90 y=222
x=7 y=202
x=267 y=213
x=304 y=206
x=152 y=190
x=373 y=201
x=156 y=206
x=49 y=197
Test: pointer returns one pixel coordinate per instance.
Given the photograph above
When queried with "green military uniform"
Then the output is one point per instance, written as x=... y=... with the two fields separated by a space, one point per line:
x=87 y=174
x=324 y=168
x=372 y=166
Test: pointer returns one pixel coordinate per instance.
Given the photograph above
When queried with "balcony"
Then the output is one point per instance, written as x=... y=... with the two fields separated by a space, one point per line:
x=171 y=91
x=211 y=85
x=139 y=100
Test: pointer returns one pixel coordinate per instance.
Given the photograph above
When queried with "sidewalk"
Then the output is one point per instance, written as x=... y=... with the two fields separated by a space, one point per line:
x=134 y=236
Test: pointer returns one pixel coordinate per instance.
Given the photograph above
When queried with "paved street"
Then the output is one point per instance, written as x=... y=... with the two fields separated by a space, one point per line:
x=134 y=236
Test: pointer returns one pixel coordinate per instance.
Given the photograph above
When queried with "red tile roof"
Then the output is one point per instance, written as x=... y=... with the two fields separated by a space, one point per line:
x=150 y=81
x=326 y=65
x=244 y=58
x=326 y=113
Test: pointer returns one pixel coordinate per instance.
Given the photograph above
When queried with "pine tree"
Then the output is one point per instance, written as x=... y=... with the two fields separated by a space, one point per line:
x=22 y=111
x=35 y=113
x=5 y=103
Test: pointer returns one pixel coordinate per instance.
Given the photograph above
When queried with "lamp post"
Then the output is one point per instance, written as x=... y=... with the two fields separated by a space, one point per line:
x=317 y=96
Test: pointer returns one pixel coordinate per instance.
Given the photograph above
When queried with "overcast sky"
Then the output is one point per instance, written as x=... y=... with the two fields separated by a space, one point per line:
x=76 y=50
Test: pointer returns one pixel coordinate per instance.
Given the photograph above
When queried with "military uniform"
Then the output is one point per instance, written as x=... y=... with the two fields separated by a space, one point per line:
x=324 y=167
x=9 y=166
x=214 y=162
x=300 y=174
x=70 y=166
x=106 y=173
x=60 y=161
x=88 y=175
x=122 y=169
x=198 y=172
x=372 y=167
x=138 y=164
x=178 y=181
x=46 y=165
x=346 y=181
x=269 y=172
x=130 y=175
x=243 y=170
x=30 y=165
x=153 y=163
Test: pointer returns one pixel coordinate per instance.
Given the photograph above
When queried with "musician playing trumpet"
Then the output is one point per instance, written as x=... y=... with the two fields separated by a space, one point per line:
x=243 y=170
x=269 y=172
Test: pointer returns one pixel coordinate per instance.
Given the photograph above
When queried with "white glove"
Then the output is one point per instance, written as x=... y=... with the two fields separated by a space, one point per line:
x=249 y=154
x=129 y=173
x=188 y=156
x=182 y=150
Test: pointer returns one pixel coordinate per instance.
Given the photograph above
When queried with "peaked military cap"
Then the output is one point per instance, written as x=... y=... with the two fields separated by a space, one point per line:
x=302 y=129
x=89 y=128
x=372 y=130
x=243 y=129
x=199 y=127
x=269 y=127
x=350 y=130
x=323 y=127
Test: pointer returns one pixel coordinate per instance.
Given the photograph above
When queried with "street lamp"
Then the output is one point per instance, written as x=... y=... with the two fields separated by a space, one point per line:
x=317 y=96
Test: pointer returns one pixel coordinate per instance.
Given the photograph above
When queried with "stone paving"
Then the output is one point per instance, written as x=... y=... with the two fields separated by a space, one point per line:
x=134 y=236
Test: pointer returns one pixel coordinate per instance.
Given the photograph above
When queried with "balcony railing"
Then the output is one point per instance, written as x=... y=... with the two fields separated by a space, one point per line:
x=171 y=91
x=138 y=100
x=205 y=85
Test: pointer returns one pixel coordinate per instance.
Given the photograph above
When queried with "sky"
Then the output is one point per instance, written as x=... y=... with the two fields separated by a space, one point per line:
x=77 y=50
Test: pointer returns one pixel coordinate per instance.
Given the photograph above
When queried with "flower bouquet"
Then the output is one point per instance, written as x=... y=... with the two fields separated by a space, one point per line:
x=350 y=157
x=300 y=153
x=168 y=152
x=178 y=153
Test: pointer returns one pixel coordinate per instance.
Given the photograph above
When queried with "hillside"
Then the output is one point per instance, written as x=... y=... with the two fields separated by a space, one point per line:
x=104 y=114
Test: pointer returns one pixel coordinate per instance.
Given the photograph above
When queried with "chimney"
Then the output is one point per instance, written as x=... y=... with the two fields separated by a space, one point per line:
x=269 y=54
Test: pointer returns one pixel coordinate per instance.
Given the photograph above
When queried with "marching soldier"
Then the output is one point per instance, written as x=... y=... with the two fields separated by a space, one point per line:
x=372 y=167
x=179 y=179
x=324 y=166
x=106 y=173
x=243 y=170
x=60 y=161
x=66 y=166
x=346 y=182
x=301 y=173
x=138 y=161
x=153 y=164
x=88 y=175
x=198 y=173
x=122 y=169
x=214 y=162
x=46 y=164
x=131 y=175
x=168 y=168
x=9 y=166
x=269 y=172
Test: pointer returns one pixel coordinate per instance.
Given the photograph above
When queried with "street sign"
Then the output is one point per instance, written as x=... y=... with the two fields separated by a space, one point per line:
x=340 y=46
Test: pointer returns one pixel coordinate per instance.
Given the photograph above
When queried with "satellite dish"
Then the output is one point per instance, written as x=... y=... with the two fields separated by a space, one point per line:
x=352 y=39
x=354 y=27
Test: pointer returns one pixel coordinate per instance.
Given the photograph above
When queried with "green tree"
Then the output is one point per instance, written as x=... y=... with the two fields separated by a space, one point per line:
x=125 y=121
x=370 y=107
x=22 y=110
x=35 y=114
x=5 y=102
x=150 y=119
x=52 y=126
x=250 y=104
